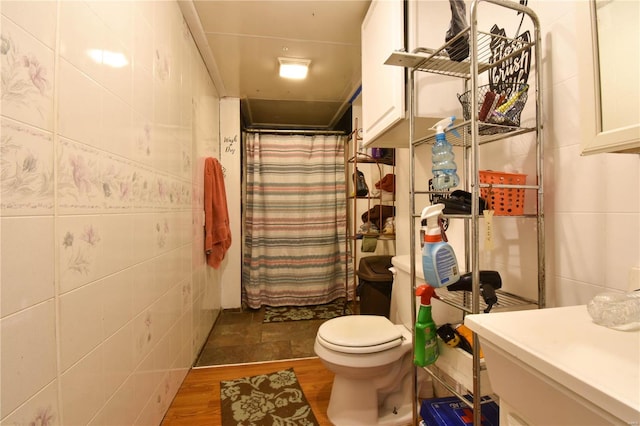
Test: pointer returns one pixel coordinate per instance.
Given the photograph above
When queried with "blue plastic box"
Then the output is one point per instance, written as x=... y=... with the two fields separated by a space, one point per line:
x=451 y=411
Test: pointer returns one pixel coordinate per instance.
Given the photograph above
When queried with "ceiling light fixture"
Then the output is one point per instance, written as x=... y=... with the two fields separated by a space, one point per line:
x=294 y=68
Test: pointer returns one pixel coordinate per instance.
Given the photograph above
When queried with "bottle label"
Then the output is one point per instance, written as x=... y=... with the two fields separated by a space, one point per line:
x=430 y=351
x=447 y=266
x=488 y=225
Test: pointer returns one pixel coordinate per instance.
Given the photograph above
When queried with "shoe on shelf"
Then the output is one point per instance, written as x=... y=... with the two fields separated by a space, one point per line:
x=389 y=226
x=368 y=228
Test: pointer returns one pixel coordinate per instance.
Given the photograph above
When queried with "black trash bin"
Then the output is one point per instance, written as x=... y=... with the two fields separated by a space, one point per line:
x=374 y=285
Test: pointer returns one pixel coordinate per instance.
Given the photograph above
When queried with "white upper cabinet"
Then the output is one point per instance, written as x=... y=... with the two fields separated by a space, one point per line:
x=383 y=91
x=384 y=87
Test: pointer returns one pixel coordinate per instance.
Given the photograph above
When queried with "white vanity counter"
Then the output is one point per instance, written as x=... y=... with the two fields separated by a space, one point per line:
x=556 y=365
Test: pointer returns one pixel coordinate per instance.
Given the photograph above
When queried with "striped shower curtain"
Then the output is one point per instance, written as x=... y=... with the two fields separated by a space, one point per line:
x=295 y=220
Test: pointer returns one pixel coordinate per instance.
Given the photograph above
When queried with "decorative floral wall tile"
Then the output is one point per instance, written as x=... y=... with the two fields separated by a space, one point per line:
x=40 y=410
x=93 y=247
x=186 y=295
x=26 y=163
x=27 y=68
x=143 y=141
x=142 y=335
x=78 y=248
x=90 y=180
x=162 y=232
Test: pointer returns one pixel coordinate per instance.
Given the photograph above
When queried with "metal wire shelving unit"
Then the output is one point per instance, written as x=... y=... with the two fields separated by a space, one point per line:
x=352 y=158
x=474 y=134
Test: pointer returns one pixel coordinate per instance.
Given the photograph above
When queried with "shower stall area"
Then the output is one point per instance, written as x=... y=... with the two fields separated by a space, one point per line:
x=293 y=241
x=294 y=211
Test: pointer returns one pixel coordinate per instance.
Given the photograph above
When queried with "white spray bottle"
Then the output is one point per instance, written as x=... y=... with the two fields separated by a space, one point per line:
x=439 y=263
x=444 y=168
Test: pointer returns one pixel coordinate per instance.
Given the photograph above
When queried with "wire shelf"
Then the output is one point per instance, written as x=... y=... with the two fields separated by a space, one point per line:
x=438 y=62
x=464 y=130
x=506 y=301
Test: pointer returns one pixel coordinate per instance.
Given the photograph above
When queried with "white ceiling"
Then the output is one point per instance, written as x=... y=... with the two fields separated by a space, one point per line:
x=241 y=41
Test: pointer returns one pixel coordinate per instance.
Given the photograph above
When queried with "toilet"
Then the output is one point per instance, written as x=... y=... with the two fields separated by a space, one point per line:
x=372 y=359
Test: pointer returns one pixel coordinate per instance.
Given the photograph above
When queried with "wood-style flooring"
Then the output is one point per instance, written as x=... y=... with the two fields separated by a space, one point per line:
x=198 y=400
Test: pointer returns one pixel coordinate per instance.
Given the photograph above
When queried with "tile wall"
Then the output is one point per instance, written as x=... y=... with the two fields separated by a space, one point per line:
x=107 y=114
x=592 y=202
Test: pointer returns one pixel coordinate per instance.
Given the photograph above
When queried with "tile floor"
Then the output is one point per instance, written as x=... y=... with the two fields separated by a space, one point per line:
x=240 y=336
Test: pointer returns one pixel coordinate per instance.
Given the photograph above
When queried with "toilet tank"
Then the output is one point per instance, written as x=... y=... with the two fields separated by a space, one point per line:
x=402 y=292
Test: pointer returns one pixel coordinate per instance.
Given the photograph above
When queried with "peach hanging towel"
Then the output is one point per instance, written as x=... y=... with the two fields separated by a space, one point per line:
x=217 y=234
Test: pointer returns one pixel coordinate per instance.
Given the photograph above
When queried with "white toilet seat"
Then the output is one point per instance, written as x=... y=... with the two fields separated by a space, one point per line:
x=359 y=334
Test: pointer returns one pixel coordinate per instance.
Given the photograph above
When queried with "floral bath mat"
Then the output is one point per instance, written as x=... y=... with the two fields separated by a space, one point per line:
x=266 y=399
x=298 y=313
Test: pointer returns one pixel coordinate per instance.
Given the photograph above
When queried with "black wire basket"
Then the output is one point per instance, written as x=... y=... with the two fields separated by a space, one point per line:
x=498 y=109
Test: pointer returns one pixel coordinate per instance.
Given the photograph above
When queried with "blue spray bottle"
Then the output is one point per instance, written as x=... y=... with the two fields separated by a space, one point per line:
x=439 y=262
x=426 y=344
x=444 y=168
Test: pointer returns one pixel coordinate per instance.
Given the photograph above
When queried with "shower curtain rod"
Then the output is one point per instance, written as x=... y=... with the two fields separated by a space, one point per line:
x=296 y=132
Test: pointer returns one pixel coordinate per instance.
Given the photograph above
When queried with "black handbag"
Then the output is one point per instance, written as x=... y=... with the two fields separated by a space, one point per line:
x=459 y=49
x=361 y=184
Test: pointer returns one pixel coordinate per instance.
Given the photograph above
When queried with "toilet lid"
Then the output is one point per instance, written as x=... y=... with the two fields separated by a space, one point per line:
x=359 y=334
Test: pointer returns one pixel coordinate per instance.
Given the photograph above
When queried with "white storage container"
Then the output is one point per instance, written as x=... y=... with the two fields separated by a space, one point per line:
x=458 y=364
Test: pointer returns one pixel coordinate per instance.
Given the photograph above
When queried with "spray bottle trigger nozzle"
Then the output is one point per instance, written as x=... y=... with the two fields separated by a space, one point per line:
x=426 y=293
x=446 y=124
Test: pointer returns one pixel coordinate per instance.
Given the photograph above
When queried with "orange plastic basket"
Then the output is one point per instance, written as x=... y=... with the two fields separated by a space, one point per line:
x=503 y=201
